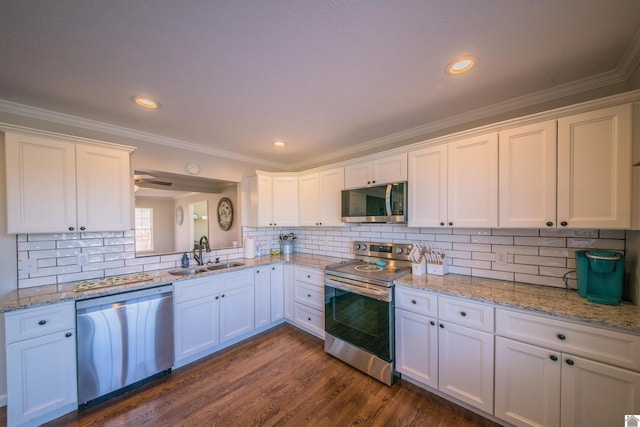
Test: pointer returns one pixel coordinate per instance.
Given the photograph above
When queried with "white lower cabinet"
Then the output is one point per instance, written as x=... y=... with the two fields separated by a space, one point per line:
x=547 y=380
x=276 y=275
x=236 y=304
x=417 y=349
x=465 y=356
x=269 y=298
x=208 y=311
x=38 y=339
x=447 y=344
x=308 y=299
x=527 y=384
x=288 y=291
x=262 y=296
x=196 y=317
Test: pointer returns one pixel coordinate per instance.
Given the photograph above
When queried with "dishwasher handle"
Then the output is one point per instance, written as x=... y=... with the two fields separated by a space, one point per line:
x=124 y=297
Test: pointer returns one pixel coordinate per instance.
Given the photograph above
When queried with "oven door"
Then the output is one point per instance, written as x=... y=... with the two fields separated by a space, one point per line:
x=361 y=315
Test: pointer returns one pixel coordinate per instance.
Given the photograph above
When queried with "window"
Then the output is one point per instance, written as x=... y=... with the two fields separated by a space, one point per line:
x=144 y=229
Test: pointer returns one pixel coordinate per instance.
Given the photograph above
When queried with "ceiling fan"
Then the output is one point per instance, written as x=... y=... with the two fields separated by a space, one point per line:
x=150 y=180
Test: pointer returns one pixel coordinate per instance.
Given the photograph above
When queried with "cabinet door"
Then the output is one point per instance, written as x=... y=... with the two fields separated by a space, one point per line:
x=465 y=359
x=41 y=184
x=264 y=201
x=285 y=201
x=594 y=169
x=594 y=394
x=473 y=182
x=389 y=169
x=103 y=197
x=236 y=312
x=35 y=391
x=288 y=292
x=417 y=347
x=527 y=384
x=428 y=187
x=331 y=185
x=262 y=296
x=277 y=292
x=197 y=326
x=308 y=199
x=527 y=162
x=358 y=175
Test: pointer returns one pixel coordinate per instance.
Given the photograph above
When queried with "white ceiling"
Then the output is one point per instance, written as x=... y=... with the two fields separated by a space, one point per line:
x=332 y=78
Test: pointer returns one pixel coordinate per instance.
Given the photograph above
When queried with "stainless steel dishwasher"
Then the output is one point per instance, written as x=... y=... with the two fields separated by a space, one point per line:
x=123 y=340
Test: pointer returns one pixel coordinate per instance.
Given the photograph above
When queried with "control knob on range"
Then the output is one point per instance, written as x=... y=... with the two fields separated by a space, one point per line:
x=399 y=250
x=357 y=246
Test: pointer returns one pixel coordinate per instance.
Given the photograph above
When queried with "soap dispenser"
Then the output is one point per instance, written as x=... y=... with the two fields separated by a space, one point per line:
x=185 y=261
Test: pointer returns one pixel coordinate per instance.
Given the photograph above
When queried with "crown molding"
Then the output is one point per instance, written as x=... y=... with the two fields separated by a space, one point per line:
x=97 y=126
x=631 y=58
x=561 y=91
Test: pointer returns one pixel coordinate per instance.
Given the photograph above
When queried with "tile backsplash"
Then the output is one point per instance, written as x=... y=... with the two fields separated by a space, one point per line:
x=540 y=257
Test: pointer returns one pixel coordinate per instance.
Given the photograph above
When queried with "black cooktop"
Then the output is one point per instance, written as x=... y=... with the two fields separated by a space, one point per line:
x=387 y=271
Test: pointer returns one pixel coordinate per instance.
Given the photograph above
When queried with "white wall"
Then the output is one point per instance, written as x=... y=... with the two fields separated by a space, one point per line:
x=8 y=267
x=163 y=221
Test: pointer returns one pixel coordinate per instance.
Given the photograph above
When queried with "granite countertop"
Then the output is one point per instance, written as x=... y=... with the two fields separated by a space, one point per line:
x=49 y=294
x=542 y=300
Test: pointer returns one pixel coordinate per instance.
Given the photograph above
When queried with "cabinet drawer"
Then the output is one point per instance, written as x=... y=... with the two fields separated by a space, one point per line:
x=188 y=290
x=236 y=280
x=466 y=313
x=309 y=275
x=310 y=319
x=310 y=295
x=35 y=322
x=603 y=345
x=417 y=301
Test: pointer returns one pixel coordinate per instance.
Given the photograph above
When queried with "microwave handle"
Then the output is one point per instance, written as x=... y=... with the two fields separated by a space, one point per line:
x=388 y=199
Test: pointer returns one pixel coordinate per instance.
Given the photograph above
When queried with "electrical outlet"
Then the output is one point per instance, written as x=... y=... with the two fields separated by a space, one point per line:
x=83 y=260
x=501 y=256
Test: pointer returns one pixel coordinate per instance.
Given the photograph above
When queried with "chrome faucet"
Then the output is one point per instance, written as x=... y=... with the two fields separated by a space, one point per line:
x=204 y=241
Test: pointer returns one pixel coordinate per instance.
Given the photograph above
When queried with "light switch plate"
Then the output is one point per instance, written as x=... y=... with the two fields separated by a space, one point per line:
x=501 y=256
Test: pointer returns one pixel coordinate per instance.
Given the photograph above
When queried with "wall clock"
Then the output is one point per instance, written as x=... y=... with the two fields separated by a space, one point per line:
x=225 y=214
x=179 y=215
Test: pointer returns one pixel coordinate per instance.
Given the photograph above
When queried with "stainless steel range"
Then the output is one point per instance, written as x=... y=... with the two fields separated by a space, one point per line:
x=359 y=307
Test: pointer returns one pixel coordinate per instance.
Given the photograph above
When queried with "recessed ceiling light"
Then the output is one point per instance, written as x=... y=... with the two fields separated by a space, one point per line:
x=461 y=65
x=145 y=101
x=279 y=144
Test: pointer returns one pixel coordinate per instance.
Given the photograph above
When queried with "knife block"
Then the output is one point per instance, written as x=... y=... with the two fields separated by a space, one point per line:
x=437 y=269
x=418 y=269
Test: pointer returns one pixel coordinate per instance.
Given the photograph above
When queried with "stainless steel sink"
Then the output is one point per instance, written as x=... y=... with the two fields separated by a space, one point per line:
x=224 y=265
x=187 y=271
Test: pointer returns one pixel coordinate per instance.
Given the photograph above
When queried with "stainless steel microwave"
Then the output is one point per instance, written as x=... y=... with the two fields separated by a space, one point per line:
x=379 y=203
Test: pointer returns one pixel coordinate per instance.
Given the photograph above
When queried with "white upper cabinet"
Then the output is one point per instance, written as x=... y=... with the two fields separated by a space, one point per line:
x=380 y=171
x=428 y=188
x=285 y=201
x=309 y=199
x=60 y=186
x=594 y=169
x=319 y=197
x=271 y=200
x=527 y=163
x=473 y=182
x=455 y=185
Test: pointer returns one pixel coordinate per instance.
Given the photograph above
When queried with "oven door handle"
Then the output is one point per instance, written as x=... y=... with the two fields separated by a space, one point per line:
x=367 y=292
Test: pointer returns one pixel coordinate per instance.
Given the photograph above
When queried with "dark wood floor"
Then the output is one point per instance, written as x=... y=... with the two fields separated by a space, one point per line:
x=280 y=378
